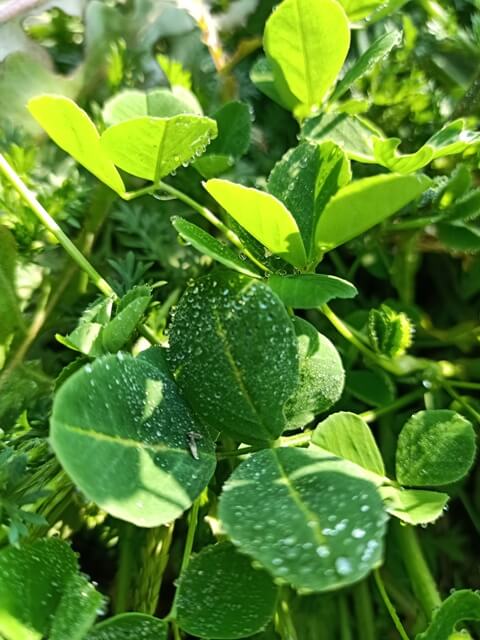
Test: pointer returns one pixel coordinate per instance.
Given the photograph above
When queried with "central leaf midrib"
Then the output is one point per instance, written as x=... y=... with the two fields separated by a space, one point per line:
x=297 y=499
x=308 y=80
x=237 y=374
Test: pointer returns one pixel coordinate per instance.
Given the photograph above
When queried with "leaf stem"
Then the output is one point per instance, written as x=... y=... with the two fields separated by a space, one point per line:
x=364 y=615
x=349 y=334
x=47 y=220
x=389 y=605
x=192 y=528
x=417 y=568
x=408 y=398
x=468 y=408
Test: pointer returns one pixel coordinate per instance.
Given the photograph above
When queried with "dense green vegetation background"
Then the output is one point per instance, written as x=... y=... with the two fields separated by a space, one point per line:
x=361 y=157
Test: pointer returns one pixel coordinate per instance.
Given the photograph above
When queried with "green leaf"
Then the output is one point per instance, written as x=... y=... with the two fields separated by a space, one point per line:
x=207 y=244
x=414 y=506
x=130 y=626
x=132 y=103
x=111 y=429
x=348 y=436
x=321 y=376
x=263 y=216
x=305 y=517
x=221 y=595
x=372 y=387
x=363 y=204
x=21 y=78
x=211 y=165
x=310 y=290
x=358 y=9
x=234 y=128
x=389 y=331
x=435 y=447
x=300 y=34
x=174 y=71
x=120 y=329
x=268 y=78
x=10 y=317
x=73 y=131
x=459 y=606
x=459 y=236
x=151 y=148
x=239 y=332
x=39 y=585
x=453 y=138
x=77 y=610
x=377 y=51
x=353 y=134
x=305 y=179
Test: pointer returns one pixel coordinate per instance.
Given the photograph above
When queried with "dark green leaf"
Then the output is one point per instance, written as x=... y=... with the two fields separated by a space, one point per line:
x=221 y=595
x=10 y=317
x=234 y=124
x=458 y=607
x=321 y=376
x=305 y=179
x=435 y=447
x=130 y=626
x=111 y=429
x=210 y=246
x=239 y=332
x=268 y=78
x=77 y=609
x=306 y=517
x=373 y=387
x=310 y=290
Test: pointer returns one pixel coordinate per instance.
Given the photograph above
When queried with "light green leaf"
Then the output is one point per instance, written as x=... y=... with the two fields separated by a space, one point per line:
x=310 y=290
x=377 y=51
x=309 y=41
x=363 y=204
x=174 y=71
x=268 y=78
x=111 y=430
x=458 y=607
x=321 y=376
x=132 y=103
x=238 y=330
x=221 y=595
x=130 y=626
x=39 y=585
x=210 y=246
x=414 y=506
x=353 y=134
x=305 y=179
x=10 y=317
x=73 y=131
x=453 y=138
x=348 y=436
x=358 y=9
x=263 y=216
x=305 y=517
x=435 y=447
x=151 y=148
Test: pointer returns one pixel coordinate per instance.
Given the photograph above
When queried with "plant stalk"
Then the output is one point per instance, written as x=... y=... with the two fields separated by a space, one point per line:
x=389 y=605
x=50 y=224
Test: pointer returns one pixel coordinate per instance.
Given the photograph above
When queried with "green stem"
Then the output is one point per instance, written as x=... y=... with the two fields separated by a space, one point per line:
x=47 y=220
x=364 y=615
x=404 y=401
x=468 y=408
x=417 y=568
x=389 y=605
x=285 y=625
x=297 y=440
x=192 y=528
x=126 y=568
x=344 y=330
x=469 y=508
x=345 y=630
